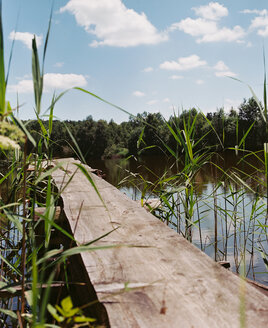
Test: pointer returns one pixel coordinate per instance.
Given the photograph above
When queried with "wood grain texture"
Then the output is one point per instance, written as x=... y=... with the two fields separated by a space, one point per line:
x=170 y=283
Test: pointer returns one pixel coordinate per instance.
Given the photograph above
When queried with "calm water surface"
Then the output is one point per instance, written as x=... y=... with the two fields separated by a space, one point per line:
x=240 y=213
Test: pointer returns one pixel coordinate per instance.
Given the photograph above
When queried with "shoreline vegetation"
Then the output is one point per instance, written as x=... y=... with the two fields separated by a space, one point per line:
x=30 y=258
x=148 y=133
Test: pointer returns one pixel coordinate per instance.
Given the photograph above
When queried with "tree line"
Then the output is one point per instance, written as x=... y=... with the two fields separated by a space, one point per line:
x=150 y=133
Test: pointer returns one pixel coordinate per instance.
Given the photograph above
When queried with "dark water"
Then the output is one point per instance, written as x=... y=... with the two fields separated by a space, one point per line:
x=240 y=212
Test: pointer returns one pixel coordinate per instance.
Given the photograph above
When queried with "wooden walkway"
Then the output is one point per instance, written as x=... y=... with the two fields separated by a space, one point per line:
x=170 y=283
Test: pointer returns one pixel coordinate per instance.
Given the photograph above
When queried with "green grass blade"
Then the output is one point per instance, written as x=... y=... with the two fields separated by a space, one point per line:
x=50 y=120
x=59 y=228
x=37 y=77
x=87 y=175
x=2 y=68
x=7 y=175
x=254 y=96
x=50 y=210
x=203 y=137
x=258 y=103
x=8 y=205
x=12 y=48
x=20 y=124
x=245 y=135
x=47 y=37
x=53 y=103
x=10 y=265
x=15 y=220
x=193 y=125
x=35 y=290
x=9 y=313
x=188 y=142
x=101 y=237
x=48 y=255
x=82 y=159
x=236 y=130
x=265 y=91
x=140 y=138
x=48 y=173
x=176 y=137
x=171 y=151
x=210 y=124
x=45 y=298
x=105 y=101
x=43 y=129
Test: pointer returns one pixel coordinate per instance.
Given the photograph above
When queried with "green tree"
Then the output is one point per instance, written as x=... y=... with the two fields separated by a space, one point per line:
x=249 y=113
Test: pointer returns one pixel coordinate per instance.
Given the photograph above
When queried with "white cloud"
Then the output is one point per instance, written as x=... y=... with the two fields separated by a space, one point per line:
x=148 y=69
x=152 y=102
x=220 y=66
x=113 y=23
x=196 y=27
x=166 y=100
x=59 y=64
x=224 y=34
x=206 y=28
x=183 y=63
x=213 y=11
x=52 y=81
x=254 y=11
x=26 y=38
x=23 y=86
x=261 y=24
x=199 y=82
x=176 y=77
x=222 y=70
x=138 y=93
x=63 y=81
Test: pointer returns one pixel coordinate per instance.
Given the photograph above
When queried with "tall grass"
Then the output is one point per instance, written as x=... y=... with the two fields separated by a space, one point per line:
x=28 y=258
x=239 y=222
x=237 y=219
x=31 y=264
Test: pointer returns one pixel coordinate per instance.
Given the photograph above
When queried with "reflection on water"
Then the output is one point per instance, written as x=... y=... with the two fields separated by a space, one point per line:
x=240 y=213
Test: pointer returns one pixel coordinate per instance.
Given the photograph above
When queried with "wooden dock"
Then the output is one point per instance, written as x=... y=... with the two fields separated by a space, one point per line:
x=152 y=277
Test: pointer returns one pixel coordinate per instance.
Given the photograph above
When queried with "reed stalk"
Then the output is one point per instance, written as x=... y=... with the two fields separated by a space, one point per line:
x=23 y=250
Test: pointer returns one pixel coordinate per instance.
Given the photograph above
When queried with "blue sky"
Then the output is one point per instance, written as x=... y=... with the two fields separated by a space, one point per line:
x=142 y=55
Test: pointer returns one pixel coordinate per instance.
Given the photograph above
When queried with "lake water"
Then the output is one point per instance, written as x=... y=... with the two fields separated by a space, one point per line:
x=218 y=215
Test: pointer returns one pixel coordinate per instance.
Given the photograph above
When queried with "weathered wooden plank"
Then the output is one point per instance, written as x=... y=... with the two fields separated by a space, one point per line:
x=170 y=283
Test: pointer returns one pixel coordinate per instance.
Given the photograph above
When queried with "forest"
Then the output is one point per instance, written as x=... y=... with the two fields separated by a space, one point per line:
x=149 y=133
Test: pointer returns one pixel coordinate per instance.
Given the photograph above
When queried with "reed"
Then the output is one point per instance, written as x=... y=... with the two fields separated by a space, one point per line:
x=31 y=264
x=27 y=263
x=236 y=217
